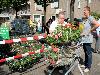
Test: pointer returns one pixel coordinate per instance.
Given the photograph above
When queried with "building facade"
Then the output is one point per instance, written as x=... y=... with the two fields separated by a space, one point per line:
x=35 y=12
x=54 y=8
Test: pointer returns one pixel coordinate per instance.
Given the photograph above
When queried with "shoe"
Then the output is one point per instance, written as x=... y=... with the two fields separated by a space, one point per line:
x=82 y=66
x=60 y=71
x=86 y=70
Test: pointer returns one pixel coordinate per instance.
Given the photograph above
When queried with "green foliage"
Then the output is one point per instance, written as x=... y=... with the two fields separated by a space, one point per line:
x=66 y=35
x=74 y=36
x=42 y=2
x=22 y=64
x=50 y=39
x=23 y=47
x=15 y=4
x=96 y=15
x=52 y=53
x=25 y=62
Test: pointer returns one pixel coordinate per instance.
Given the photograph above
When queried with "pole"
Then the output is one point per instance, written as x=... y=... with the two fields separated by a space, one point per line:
x=87 y=2
x=72 y=10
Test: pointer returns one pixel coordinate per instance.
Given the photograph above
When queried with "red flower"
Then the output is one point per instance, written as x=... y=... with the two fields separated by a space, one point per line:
x=45 y=35
x=31 y=49
x=43 y=46
x=56 y=36
x=23 y=42
x=36 y=37
x=52 y=46
x=55 y=49
x=42 y=50
x=52 y=61
x=65 y=26
x=68 y=25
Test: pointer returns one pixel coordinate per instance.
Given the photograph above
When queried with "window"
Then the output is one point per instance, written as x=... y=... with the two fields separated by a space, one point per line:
x=36 y=18
x=79 y=5
x=55 y=4
x=38 y=7
x=89 y=1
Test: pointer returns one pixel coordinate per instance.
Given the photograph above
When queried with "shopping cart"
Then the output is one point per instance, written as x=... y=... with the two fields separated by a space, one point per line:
x=69 y=56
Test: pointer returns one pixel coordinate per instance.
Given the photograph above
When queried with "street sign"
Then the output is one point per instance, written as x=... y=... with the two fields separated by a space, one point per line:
x=4 y=33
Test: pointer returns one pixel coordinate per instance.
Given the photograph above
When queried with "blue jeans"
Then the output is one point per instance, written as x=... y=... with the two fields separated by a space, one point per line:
x=97 y=46
x=88 y=54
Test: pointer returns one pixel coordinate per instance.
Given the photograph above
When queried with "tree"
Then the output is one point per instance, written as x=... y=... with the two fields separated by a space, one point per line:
x=44 y=3
x=18 y=5
x=15 y=4
x=72 y=9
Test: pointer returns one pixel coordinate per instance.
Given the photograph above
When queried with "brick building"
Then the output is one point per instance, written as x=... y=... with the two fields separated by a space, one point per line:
x=36 y=11
x=64 y=5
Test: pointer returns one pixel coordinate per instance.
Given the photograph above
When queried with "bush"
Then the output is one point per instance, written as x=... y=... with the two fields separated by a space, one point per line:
x=96 y=15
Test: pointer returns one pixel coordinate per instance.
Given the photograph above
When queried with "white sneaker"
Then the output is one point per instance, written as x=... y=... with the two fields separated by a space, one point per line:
x=82 y=66
x=60 y=71
x=86 y=70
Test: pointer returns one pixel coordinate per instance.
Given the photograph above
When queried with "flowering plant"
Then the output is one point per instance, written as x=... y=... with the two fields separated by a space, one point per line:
x=64 y=34
x=25 y=63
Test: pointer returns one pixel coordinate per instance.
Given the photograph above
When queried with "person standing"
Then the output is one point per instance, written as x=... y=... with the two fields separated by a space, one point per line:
x=97 y=46
x=39 y=27
x=59 y=21
x=87 y=37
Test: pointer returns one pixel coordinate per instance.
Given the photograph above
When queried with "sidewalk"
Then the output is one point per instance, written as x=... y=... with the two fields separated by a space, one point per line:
x=95 y=69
